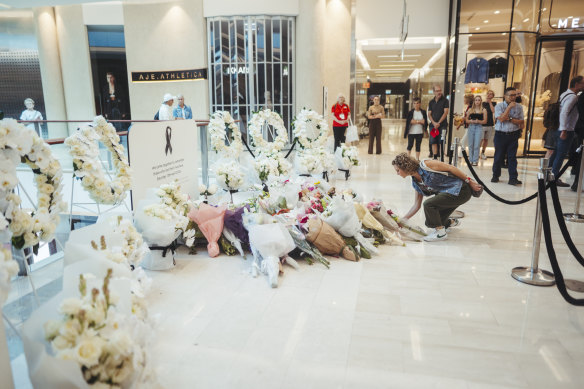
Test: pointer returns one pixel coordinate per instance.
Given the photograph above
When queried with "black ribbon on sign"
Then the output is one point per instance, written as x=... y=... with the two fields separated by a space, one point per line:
x=168 y=145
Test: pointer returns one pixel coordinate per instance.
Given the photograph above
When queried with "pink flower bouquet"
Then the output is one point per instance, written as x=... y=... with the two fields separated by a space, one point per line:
x=210 y=222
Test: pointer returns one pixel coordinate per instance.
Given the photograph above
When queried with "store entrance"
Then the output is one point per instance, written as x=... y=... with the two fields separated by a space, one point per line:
x=559 y=60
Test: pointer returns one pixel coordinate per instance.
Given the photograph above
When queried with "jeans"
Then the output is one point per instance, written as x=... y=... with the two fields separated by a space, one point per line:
x=439 y=207
x=475 y=135
x=562 y=147
x=506 y=144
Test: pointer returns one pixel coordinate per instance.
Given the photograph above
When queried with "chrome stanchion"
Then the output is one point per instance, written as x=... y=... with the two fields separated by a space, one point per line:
x=576 y=216
x=455 y=145
x=533 y=275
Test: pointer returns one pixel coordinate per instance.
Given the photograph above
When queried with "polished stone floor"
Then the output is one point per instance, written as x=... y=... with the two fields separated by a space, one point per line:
x=428 y=315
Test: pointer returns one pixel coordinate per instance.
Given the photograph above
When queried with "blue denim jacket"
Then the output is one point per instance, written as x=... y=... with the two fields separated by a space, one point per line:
x=177 y=112
x=434 y=183
x=477 y=70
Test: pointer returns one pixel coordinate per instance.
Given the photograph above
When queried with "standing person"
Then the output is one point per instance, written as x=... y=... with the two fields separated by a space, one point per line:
x=375 y=114
x=340 y=113
x=113 y=101
x=488 y=128
x=475 y=118
x=468 y=100
x=508 y=121
x=416 y=122
x=579 y=130
x=165 y=111
x=448 y=185
x=568 y=120
x=182 y=111
x=437 y=113
x=31 y=114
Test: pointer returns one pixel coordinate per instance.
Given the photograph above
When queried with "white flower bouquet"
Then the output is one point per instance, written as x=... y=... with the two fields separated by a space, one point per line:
x=94 y=340
x=230 y=175
x=8 y=268
x=310 y=129
x=271 y=164
x=346 y=157
x=308 y=162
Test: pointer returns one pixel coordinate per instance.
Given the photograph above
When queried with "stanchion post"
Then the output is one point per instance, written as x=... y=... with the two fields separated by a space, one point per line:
x=454 y=148
x=533 y=275
x=576 y=216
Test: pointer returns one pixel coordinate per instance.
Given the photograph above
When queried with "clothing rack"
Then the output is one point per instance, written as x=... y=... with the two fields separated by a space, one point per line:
x=509 y=55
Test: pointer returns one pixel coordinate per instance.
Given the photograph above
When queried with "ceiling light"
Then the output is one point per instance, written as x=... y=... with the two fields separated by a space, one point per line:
x=504 y=33
x=570 y=17
x=512 y=28
x=525 y=20
x=477 y=28
x=485 y=21
x=397 y=56
x=397 y=66
x=497 y=12
x=469 y=34
x=405 y=60
x=554 y=25
x=545 y=9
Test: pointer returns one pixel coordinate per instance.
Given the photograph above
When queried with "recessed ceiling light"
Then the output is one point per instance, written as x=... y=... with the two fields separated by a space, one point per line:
x=478 y=28
x=525 y=20
x=504 y=33
x=469 y=34
x=545 y=9
x=512 y=28
x=485 y=21
x=570 y=17
x=554 y=25
x=497 y=12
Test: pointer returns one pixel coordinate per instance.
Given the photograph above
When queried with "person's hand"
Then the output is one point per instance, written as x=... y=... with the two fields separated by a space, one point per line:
x=475 y=186
x=564 y=135
x=512 y=104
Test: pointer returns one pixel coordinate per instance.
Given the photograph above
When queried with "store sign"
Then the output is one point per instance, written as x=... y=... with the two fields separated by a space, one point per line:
x=566 y=23
x=366 y=85
x=170 y=75
x=161 y=152
x=235 y=69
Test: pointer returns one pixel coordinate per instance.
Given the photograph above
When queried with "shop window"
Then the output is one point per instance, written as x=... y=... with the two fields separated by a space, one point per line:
x=526 y=15
x=565 y=16
x=478 y=17
x=250 y=64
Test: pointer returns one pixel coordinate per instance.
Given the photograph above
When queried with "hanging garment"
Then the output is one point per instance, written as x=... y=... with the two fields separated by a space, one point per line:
x=477 y=70
x=498 y=68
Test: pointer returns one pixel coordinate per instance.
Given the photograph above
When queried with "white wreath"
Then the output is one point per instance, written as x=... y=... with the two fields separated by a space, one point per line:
x=256 y=134
x=87 y=166
x=220 y=121
x=21 y=144
x=300 y=125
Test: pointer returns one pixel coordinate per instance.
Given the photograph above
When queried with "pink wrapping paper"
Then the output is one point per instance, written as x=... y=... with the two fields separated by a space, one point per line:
x=210 y=222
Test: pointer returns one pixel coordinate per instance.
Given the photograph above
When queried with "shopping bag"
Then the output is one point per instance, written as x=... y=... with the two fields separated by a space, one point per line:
x=352 y=134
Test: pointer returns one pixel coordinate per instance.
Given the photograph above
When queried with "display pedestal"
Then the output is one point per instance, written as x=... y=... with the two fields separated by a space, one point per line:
x=5 y=369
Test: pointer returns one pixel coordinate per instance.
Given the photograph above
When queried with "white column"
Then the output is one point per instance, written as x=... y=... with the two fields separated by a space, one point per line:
x=75 y=64
x=50 y=64
x=337 y=53
x=310 y=39
x=166 y=36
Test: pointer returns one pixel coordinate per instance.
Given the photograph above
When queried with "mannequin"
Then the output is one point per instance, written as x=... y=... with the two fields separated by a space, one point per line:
x=31 y=114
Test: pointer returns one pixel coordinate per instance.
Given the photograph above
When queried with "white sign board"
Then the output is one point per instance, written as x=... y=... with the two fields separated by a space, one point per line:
x=162 y=152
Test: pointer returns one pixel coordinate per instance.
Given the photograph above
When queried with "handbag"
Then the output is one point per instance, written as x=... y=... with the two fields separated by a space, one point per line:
x=352 y=133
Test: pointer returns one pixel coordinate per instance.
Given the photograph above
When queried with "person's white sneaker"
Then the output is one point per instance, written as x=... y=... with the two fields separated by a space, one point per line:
x=483 y=156
x=436 y=235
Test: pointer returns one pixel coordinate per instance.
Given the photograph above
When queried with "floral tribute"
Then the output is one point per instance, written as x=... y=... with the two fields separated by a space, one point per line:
x=347 y=156
x=27 y=226
x=229 y=175
x=95 y=335
x=83 y=147
x=218 y=125
x=271 y=164
x=8 y=268
x=301 y=129
x=255 y=127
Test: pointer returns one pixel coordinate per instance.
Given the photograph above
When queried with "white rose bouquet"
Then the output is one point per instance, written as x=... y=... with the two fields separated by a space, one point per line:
x=347 y=157
x=308 y=162
x=230 y=175
x=271 y=164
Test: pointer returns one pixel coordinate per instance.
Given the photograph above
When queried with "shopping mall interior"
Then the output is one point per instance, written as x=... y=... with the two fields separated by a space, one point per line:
x=221 y=117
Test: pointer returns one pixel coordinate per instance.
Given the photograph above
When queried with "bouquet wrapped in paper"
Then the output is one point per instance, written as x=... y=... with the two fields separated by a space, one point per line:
x=271 y=241
x=210 y=222
x=230 y=174
x=342 y=217
x=89 y=338
x=327 y=240
x=407 y=229
x=368 y=221
x=311 y=252
x=346 y=157
x=286 y=189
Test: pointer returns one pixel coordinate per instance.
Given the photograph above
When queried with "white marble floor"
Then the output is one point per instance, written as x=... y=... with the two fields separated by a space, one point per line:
x=429 y=315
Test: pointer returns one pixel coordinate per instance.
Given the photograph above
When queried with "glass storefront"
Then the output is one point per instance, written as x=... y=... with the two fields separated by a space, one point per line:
x=530 y=45
x=251 y=65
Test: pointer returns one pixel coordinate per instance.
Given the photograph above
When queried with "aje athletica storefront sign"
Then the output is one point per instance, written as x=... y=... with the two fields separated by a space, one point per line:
x=170 y=75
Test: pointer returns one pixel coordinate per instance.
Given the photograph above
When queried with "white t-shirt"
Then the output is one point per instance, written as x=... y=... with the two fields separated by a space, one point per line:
x=28 y=114
x=416 y=129
x=165 y=112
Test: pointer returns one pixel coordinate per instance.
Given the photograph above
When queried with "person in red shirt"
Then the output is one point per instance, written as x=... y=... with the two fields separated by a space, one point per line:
x=340 y=112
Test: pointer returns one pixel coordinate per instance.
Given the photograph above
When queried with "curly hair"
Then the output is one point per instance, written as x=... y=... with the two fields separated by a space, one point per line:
x=406 y=163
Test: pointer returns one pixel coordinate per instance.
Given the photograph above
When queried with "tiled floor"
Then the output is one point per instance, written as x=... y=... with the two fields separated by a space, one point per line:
x=429 y=315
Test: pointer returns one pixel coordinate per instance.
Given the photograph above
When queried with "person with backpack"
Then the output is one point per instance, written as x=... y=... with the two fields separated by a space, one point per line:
x=567 y=118
x=448 y=185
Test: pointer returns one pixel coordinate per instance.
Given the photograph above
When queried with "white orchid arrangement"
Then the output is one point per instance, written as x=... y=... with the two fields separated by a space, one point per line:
x=27 y=226
x=174 y=205
x=309 y=122
x=271 y=164
x=207 y=190
x=230 y=176
x=83 y=147
x=218 y=125
x=96 y=336
x=255 y=131
x=327 y=159
x=8 y=269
